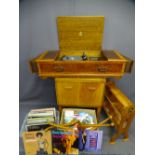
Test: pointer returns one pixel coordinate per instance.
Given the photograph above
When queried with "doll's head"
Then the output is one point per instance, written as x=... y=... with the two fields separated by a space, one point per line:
x=68 y=141
x=39 y=135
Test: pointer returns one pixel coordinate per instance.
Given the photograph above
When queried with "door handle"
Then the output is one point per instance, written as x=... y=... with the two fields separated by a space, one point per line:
x=59 y=68
x=68 y=87
x=102 y=69
x=92 y=88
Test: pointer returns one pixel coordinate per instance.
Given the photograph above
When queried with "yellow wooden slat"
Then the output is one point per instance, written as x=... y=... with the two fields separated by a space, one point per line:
x=80 y=32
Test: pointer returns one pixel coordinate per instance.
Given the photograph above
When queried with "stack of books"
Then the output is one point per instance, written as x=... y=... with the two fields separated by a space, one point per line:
x=39 y=119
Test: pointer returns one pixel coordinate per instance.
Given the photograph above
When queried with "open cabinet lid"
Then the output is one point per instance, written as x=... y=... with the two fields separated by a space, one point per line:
x=81 y=33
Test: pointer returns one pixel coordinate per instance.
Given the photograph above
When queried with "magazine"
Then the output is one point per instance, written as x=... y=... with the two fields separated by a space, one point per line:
x=93 y=140
x=37 y=143
x=65 y=141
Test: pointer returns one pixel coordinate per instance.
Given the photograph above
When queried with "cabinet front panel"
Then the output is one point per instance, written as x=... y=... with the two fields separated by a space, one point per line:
x=67 y=93
x=91 y=94
x=81 y=93
x=48 y=67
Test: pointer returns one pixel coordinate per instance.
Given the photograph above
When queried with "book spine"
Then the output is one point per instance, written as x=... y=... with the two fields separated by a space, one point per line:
x=43 y=110
x=40 y=114
x=37 y=127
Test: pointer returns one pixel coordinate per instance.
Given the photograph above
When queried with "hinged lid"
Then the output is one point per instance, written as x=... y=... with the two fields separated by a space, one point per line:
x=80 y=32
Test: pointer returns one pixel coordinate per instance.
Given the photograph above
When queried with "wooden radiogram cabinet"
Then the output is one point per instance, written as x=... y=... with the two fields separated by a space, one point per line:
x=80 y=66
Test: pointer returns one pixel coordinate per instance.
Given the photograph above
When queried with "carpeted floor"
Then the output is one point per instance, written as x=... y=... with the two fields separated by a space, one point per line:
x=119 y=148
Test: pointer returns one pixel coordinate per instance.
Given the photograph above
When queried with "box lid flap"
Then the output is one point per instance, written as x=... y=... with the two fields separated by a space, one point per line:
x=80 y=32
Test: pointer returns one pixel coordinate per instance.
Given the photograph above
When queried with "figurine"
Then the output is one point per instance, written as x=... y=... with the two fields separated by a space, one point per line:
x=84 y=57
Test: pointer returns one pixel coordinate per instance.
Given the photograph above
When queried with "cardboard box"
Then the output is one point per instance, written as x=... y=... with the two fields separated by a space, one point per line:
x=76 y=110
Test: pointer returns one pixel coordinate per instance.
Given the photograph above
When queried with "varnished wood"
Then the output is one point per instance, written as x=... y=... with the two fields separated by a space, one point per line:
x=122 y=110
x=49 y=66
x=80 y=32
x=110 y=54
x=51 y=55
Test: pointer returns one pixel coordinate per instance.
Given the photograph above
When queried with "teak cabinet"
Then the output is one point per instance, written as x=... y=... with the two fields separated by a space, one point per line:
x=80 y=92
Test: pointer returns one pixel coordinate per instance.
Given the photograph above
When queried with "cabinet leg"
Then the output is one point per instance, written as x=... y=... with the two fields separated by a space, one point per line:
x=98 y=112
x=126 y=136
x=114 y=137
x=60 y=110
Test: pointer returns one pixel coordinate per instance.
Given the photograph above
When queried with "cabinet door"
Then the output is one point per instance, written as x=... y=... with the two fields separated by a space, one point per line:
x=67 y=93
x=80 y=92
x=91 y=94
